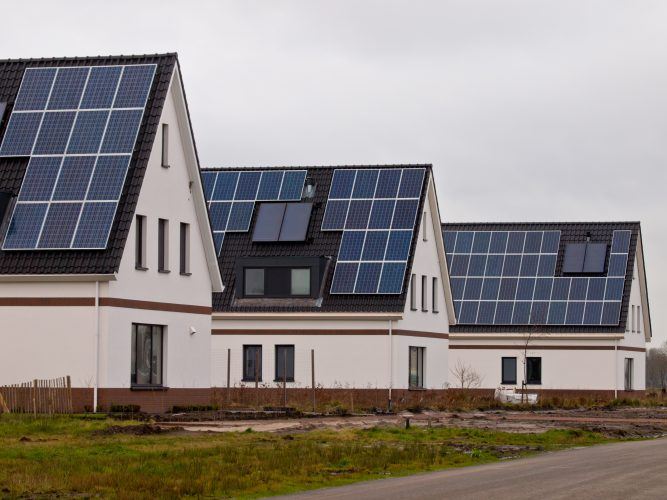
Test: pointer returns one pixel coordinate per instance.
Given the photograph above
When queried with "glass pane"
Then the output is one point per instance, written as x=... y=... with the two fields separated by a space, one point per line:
x=143 y=358
x=254 y=282
x=300 y=282
x=156 y=365
x=413 y=367
x=133 y=366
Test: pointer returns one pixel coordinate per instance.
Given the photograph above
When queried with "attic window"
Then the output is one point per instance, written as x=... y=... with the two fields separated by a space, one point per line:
x=282 y=222
x=584 y=258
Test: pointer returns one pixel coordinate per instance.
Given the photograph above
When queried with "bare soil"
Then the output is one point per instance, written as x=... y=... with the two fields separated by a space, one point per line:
x=621 y=422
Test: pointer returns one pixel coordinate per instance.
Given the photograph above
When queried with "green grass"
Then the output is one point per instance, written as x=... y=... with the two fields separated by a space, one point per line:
x=66 y=456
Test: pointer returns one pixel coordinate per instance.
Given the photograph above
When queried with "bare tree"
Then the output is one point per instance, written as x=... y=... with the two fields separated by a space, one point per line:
x=656 y=368
x=465 y=376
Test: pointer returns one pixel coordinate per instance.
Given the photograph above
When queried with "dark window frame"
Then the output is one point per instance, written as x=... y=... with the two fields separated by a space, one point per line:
x=421 y=355
x=251 y=377
x=280 y=363
x=184 y=245
x=279 y=268
x=413 y=292
x=140 y=243
x=163 y=245
x=503 y=380
x=434 y=296
x=133 y=369
x=424 y=293
x=165 y=145
x=531 y=378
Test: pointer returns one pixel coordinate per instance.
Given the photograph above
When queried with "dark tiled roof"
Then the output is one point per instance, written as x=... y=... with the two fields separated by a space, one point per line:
x=318 y=244
x=12 y=170
x=571 y=232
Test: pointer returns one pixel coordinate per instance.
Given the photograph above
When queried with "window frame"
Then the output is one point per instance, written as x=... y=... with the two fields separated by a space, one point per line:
x=413 y=293
x=280 y=363
x=254 y=347
x=140 y=243
x=165 y=145
x=424 y=293
x=532 y=380
x=245 y=282
x=420 y=357
x=628 y=374
x=184 y=246
x=434 y=296
x=133 y=363
x=639 y=320
x=424 y=227
x=163 y=246
x=504 y=381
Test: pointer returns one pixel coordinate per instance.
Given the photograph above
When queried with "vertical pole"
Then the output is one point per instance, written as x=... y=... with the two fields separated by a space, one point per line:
x=229 y=368
x=312 y=374
x=69 y=395
x=97 y=347
x=391 y=364
x=34 y=396
x=615 y=369
x=285 y=378
x=257 y=376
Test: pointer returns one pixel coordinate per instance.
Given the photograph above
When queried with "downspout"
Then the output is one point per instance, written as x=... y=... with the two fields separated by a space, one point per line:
x=97 y=345
x=391 y=364
x=616 y=369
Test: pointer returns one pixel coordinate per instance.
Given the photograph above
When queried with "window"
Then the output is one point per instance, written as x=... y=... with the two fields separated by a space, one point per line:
x=163 y=245
x=629 y=362
x=276 y=282
x=140 y=256
x=147 y=342
x=252 y=363
x=424 y=293
x=285 y=363
x=639 y=320
x=165 y=145
x=416 y=368
x=508 y=371
x=413 y=292
x=254 y=282
x=434 y=295
x=424 y=227
x=533 y=371
x=185 y=249
x=633 y=319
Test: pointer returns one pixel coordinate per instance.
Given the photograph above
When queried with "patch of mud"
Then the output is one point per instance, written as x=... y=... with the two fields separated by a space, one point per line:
x=137 y=430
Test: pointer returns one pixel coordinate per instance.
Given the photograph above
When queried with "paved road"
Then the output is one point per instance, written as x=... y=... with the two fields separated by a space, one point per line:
x=612 y=471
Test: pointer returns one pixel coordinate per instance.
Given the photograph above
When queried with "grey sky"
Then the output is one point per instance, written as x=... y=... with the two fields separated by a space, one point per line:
x=528 y=110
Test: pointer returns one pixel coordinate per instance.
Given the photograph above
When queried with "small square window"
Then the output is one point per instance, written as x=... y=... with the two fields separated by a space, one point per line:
x=254 y=282
x=300 y=281
x=533 y=371
x=508 y=371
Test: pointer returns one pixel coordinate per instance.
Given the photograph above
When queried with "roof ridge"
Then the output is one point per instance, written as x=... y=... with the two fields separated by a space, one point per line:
x=87 y=58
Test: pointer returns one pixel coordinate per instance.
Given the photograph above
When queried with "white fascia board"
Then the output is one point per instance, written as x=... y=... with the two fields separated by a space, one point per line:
x=643 y=291
x=306 y=316
x=185 y=130
x=32 y=278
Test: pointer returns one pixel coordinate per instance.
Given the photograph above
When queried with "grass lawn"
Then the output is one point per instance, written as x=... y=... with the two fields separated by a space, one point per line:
x=70 y=456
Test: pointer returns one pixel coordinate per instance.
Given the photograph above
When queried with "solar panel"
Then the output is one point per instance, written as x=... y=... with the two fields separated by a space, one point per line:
x=78 y=126
x=509 y=278
x=231 y=196
x=376 y=209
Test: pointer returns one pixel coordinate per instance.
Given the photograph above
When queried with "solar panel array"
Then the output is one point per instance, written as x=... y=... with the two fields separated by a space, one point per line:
x=79 y=126
x=376 y=209
x=231 y=196
x=509 y=278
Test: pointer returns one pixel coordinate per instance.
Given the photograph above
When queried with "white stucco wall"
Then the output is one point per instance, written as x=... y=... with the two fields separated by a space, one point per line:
x=166 y=194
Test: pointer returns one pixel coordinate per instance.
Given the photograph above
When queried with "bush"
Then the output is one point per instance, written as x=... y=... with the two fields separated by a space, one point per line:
x=192 y=408
x=124 y=408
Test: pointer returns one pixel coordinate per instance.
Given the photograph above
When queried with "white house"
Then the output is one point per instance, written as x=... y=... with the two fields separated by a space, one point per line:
x=560 y=307
x=333 y=275
x=107 y=262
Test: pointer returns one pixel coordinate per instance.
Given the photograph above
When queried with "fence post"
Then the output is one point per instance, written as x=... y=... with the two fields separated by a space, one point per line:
x=229 y=371
x=69 y=395
x=34 y=396
x=312 y=374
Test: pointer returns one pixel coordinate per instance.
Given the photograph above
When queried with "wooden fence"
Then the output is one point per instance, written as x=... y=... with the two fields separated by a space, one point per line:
x=50 y=397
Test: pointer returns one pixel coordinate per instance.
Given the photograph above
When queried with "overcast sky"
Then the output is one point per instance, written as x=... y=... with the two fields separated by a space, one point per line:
x=528 y=110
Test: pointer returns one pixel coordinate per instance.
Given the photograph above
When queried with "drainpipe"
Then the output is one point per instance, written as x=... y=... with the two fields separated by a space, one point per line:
x=615 y=368
x=97 y=345
x=391 y=364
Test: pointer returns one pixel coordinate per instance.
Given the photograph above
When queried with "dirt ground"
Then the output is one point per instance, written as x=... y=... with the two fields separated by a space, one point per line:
x=621 y=422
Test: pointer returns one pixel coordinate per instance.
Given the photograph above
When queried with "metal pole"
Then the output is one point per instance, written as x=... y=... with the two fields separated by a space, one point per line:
x=312 y=374
x=257 y=375
x=229 y=371
x=285 y=377
x=391 y=364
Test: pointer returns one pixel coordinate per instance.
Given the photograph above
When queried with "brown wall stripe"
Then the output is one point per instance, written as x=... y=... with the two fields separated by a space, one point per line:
x=407 y=333
x=548 y=347
x=46 y=301
x=635 y=349
x=154 y=306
